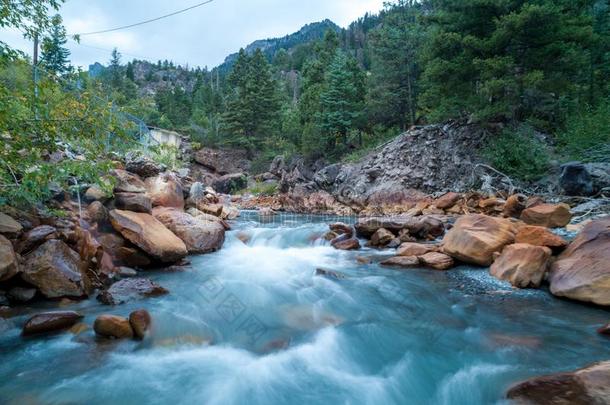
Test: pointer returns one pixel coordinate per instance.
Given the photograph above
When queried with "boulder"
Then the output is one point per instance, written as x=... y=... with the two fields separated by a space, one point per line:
x=35 y=237
x=341 y=228
x=129 y=289
x=95 y=193
x=150 y=235
x=423 y=227
x=97 y=213
x=142 y=165
x=231 y=183
x=540 y=236
x=140 y=321
x=194 y=212
x=126 y=182
x=346 y=244
x=437 y=261
x=582 y=271
x=522 y=265
x=402 y=261
x=381 y=238
x=223 y=161
x=9 y=265
x=9 y=226
x=198 y=235
x=515 y=204
x=112 y=326
x=229 y=212
x=56 y=270
x=448 y=200
x=575 y=179
x=589 y=385
x=136 y=202
x=165 y=190
x=47 y=322
x=549 y=215
x=415 y=249
x=475 y=238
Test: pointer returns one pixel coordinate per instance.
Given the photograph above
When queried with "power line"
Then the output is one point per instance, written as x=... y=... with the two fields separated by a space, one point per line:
x=145 y=22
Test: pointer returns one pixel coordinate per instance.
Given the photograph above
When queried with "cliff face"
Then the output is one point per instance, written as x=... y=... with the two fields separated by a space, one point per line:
x=422 y=161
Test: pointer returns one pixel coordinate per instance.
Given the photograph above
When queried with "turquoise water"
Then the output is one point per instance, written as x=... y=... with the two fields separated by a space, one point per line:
x=252 y=324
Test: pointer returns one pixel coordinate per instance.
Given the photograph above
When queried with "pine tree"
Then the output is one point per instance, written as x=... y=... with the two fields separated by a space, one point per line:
x=54 y=55
x=342 y=100
x=116 y=74
x=393 y=95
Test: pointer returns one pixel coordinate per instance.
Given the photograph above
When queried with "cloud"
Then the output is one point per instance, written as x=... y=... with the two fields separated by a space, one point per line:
x=201 y=37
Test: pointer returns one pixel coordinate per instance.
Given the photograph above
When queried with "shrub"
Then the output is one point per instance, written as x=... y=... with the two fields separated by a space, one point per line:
x=587 y=135
x=518 y=153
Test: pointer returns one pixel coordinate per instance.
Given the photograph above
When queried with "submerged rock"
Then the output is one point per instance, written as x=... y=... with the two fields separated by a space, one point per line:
x=522 y=265
x=402 y=261
x=475 y=238
x=130 y=289
x=582 y=271
x=150 y=235
x=548 y=215
x=56 y=270
x=47 y=322
x=113 y=326
x=589 y=385
x=140 y=321
x=330 y=274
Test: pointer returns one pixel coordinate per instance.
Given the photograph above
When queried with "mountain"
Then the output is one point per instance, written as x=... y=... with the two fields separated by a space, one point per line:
x=310 y=32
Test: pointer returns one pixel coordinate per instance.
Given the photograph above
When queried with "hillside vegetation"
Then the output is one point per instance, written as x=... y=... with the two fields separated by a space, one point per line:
x=533 y=72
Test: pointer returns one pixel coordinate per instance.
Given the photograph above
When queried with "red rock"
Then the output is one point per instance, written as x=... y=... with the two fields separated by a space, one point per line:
x=582 y=271
x=437 y=261
x=447 y=201
x=36 y=237
x=340 y=228
x=402 y=261
x=51 y=322
x=150 y=235
x=57 y=271
x=140 y=321
x=548 y=215
x=165 y=190
x=199 y=236
x=589 y=385
x=136 y=202
x=415 y=249
x=540 y=236
x=9 y=265
x=127 y=182
x=381 y=237
x=475 y=238
x=112 y=326
x=522 y=265
x=515 y=204
x=348 y=244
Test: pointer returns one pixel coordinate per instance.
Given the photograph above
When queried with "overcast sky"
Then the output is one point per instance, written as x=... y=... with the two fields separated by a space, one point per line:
x=201 y=37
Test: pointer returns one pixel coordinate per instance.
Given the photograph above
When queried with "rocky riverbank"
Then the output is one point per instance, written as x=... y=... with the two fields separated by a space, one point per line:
x=102 y=245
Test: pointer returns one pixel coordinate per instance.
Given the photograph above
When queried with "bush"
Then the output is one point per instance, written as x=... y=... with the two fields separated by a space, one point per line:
x=587 y=135
x=264 y=189
x=518 y=153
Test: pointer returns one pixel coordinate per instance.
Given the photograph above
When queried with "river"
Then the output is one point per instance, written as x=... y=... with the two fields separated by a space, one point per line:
x=253 y=324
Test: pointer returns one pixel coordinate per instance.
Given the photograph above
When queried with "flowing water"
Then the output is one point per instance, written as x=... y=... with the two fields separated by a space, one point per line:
x=253 y=324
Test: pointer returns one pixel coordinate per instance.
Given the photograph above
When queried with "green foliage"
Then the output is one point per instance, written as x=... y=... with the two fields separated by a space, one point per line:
x=54 y=55
x=263 y=189
x=518 y=153
x=587 y=135
x=167 y=155
x=253 y=105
